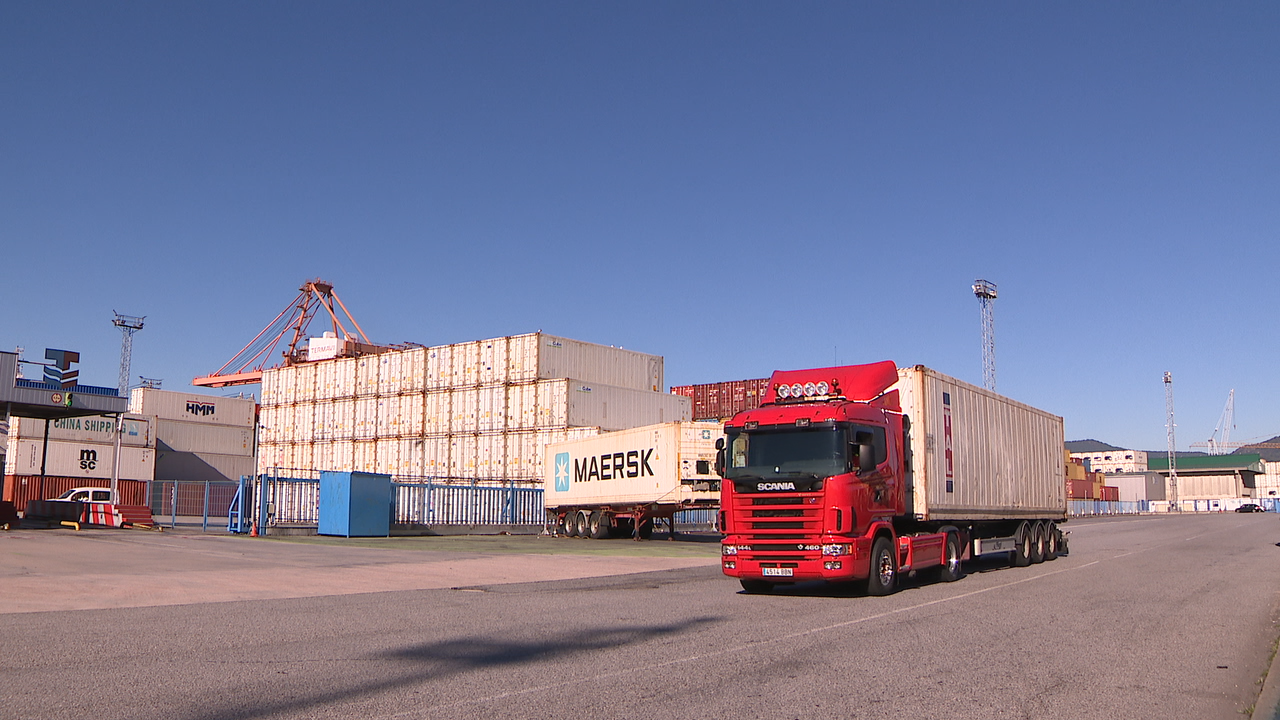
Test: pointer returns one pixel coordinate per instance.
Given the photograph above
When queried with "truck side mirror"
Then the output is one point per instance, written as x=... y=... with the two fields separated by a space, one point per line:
x=720 y=460
x=866 y=457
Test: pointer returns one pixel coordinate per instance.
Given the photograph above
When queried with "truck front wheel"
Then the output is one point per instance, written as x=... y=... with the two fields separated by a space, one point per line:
x=884 y=568
x=951 y=570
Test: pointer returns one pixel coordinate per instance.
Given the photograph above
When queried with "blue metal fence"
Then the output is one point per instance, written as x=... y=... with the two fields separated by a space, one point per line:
x=292 y=498
x=1081 y=508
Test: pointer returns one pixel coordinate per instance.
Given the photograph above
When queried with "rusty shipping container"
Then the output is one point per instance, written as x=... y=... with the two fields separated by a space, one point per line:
x=723 y=400
x=21 y=489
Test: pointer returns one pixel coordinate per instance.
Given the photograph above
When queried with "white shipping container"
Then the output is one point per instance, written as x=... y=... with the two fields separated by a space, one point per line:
x=655 y=464
x=388 y=416
x=539 y=356
x=326 y=379
x=304 y=422
x=139 y=430
x=978 y=455
x=184 y=436
x=366 y=418
x=390 y=374
x=570 y=403
x=271 y=455
x=335 y=456
x=169 y=405
x=414 y=367
x=462 y=456
x=522 y=406
x=466 y=364
x=69 y=458
x=493 y=361
x=388 y=458
x=303 y=457
x=322 y=424
x=344 y=419
x=411 y=415
x=269 y=431
x=364 y=456
x=367 y=375
x=439 y=368
x=270 y=388
x=491 y=413
x=491 y=455
x=304 y=389
x=437 y=412
x=464 y=410
x=344 y=378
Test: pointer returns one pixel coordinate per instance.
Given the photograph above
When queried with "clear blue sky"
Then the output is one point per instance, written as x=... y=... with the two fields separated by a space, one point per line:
x=738 y=187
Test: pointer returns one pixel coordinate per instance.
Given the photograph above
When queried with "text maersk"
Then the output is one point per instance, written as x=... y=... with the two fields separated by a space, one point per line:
x=613 y=466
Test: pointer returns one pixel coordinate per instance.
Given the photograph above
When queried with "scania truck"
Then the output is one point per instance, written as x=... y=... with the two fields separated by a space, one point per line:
x=865 y=473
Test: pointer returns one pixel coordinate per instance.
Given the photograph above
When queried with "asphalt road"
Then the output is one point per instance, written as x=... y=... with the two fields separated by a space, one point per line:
x=1149 y=617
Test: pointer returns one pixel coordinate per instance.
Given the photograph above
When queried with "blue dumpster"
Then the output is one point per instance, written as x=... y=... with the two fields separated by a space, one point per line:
x=355 y=504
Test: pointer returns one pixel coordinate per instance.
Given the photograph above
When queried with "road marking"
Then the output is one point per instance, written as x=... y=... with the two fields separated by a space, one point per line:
x=737 y=648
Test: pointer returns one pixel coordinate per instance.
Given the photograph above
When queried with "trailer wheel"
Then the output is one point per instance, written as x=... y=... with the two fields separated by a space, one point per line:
x=756 y=587
x=1051 y=541
x=883 y=579
x=1037 y=543
x=951 y=569
x=598 y=526
x=1023 y=539
x=560 y=523
x=582 y=526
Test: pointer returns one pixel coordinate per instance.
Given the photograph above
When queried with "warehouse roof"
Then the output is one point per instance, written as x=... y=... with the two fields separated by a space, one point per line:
x=1248 y=462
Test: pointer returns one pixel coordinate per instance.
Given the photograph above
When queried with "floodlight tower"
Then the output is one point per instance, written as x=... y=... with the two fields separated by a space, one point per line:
x=986 y=293
x=128 y=326
x=1173 y=456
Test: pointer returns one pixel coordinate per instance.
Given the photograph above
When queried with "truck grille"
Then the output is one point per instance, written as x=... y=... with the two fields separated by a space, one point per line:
x=779 y=516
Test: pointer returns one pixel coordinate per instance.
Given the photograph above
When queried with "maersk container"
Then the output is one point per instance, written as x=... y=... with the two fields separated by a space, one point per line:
x=139 y=430
x=669 y=464
x=977 y=455
x=169 y=405
x=183 y=436
x=69 y=458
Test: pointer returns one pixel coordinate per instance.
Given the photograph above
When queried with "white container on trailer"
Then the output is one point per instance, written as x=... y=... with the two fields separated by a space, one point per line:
x=664 y=464
x=978 y=455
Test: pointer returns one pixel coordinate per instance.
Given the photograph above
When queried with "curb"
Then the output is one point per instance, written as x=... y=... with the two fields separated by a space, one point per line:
x=1268 y=705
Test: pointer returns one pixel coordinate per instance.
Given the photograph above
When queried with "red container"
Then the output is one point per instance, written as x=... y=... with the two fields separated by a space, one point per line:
x=723 y=400
x=1080 y=489
x=21 y=489
x=1111 y=494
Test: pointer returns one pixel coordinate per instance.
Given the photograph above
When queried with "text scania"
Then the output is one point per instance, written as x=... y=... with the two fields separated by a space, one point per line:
x=762 y=487
x=613 y=466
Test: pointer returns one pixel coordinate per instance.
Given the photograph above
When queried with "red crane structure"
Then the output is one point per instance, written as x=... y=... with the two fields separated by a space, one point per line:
x=246 y=367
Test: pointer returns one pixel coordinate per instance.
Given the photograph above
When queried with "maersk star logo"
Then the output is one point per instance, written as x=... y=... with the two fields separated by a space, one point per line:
x=562 y=472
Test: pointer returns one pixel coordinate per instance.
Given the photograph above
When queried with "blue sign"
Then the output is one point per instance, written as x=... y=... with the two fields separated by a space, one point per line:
x=562 y=472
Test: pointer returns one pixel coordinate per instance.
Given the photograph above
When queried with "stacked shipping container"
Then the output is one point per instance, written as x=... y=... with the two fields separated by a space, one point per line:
x=474 y=410
x=723 y=400
x=199 y=437
x=80 y=453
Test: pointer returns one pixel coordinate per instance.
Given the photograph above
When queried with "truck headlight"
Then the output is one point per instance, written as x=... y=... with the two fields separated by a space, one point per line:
x=836 y=549
x=728 y=549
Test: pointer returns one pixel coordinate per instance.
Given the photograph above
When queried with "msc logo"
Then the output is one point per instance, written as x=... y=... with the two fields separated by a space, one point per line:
x=200 y=409
x=562 y=472
x=88 y=459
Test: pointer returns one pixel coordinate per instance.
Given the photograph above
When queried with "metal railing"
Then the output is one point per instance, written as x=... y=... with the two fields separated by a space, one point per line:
x=181 y=501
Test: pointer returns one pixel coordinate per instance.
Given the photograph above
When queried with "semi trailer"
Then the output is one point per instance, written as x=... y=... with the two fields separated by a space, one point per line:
x=864 y=473
x=617 y=484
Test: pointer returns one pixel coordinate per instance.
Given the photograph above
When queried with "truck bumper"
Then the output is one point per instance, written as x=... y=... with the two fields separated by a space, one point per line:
x=831 y=559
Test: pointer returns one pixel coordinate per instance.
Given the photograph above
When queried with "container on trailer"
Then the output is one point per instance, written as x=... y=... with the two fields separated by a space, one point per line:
x=977 y=455
x=668 y=463
x=169 y=405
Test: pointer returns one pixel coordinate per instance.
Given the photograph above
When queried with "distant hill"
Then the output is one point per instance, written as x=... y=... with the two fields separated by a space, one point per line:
x=1268 y=454
x=1090 y=446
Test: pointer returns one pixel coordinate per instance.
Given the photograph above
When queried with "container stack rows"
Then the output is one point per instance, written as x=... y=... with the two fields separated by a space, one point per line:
x=475 y=410
x=723 y=400
x=80 y=453
x=199 y=437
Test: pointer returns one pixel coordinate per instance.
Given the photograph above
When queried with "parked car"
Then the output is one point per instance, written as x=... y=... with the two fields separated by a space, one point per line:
x=1250 y=507
x=84 y=494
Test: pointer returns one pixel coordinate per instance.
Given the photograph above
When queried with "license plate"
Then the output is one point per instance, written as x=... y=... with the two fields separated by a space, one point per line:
x=778 y=572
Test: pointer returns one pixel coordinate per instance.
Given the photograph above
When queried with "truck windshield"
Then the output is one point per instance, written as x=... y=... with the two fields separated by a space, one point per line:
x=786 y=452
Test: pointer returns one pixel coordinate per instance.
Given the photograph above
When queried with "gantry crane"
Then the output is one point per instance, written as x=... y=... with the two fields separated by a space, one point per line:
x=246 y=367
